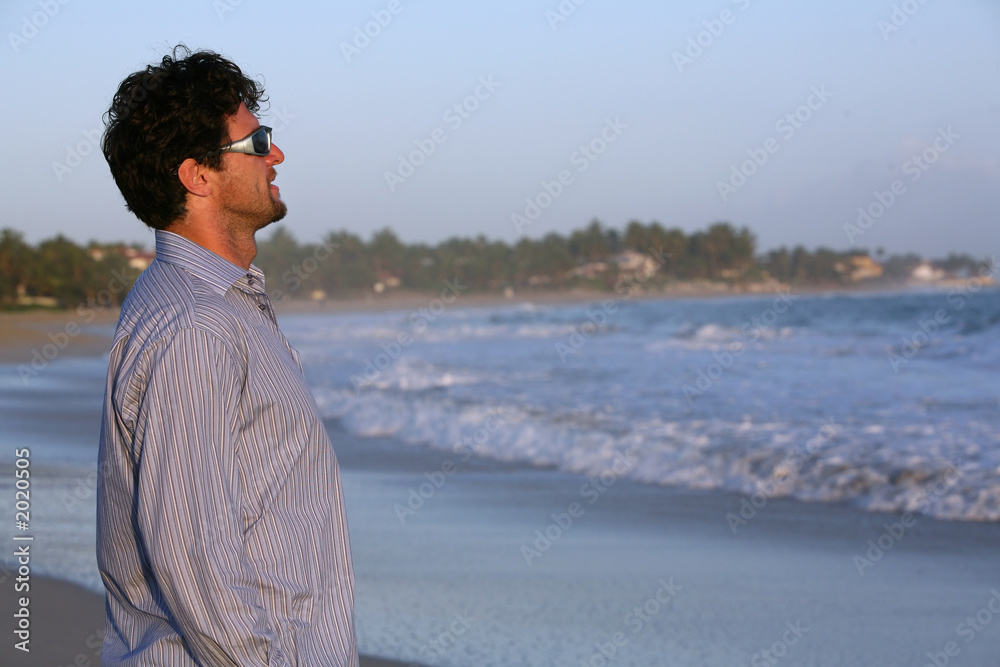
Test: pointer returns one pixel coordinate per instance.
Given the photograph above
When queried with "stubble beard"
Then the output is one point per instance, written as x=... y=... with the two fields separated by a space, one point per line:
x=278 y=211
x=249 y=209
x=278 y=207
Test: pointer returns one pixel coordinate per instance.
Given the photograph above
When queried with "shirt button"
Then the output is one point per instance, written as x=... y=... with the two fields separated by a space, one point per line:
x=262 y=306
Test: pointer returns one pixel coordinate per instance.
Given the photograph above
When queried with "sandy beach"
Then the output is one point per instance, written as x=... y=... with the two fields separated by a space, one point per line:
x=67 y=626
x=22 y=334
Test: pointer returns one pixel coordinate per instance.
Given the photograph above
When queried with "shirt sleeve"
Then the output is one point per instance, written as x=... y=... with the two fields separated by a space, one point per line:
x=187 y=505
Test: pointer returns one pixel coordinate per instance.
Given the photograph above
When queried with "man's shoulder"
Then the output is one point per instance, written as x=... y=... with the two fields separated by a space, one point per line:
x=167 y=299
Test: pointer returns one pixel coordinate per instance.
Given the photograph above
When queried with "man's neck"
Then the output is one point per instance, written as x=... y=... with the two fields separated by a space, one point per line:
x=238 y=248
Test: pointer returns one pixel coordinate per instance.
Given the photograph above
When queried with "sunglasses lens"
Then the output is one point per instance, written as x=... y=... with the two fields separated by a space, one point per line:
x=261 y=141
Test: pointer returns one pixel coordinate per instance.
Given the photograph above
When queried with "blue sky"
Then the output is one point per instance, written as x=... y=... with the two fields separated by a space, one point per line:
x=886 y=95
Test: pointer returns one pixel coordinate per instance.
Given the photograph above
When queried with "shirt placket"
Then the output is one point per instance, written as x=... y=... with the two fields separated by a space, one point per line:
x=256 y=289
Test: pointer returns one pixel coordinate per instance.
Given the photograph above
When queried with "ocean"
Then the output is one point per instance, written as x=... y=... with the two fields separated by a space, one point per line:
x=888 y=402
x=520 y=476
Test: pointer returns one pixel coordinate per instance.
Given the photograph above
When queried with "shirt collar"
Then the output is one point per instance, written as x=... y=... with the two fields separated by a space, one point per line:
x=218 y=272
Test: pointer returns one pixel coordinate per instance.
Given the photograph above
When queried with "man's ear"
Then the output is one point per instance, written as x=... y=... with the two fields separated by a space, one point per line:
x=195 y=177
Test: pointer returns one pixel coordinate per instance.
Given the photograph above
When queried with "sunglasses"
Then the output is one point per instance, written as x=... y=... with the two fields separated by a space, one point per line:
x=257 y=143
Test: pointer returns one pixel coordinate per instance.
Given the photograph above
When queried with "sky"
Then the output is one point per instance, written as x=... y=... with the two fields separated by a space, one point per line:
x=858 y=123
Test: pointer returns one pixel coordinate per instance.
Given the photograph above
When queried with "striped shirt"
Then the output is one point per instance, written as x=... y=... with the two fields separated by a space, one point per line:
x=221 y=533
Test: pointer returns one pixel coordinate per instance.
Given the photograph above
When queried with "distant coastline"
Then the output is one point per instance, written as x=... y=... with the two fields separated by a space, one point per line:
x=26 y=331
x=645 y=260
x=402 y=299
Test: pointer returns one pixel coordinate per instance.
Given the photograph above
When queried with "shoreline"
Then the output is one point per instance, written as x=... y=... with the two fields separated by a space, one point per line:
x=463 y=553
x=402 y=299
x=737 y=589
x=79 y=334
x=489 y=559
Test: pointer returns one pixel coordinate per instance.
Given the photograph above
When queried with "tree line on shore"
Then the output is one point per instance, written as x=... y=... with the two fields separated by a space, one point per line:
x=59 y=273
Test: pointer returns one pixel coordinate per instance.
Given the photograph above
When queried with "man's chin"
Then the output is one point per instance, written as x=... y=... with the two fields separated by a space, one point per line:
x=280 y=210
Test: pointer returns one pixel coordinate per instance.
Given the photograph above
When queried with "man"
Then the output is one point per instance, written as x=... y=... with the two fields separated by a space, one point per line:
x=222 y=538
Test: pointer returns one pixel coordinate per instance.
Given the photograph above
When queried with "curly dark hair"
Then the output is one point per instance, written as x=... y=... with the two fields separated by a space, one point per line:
x=164 y=114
